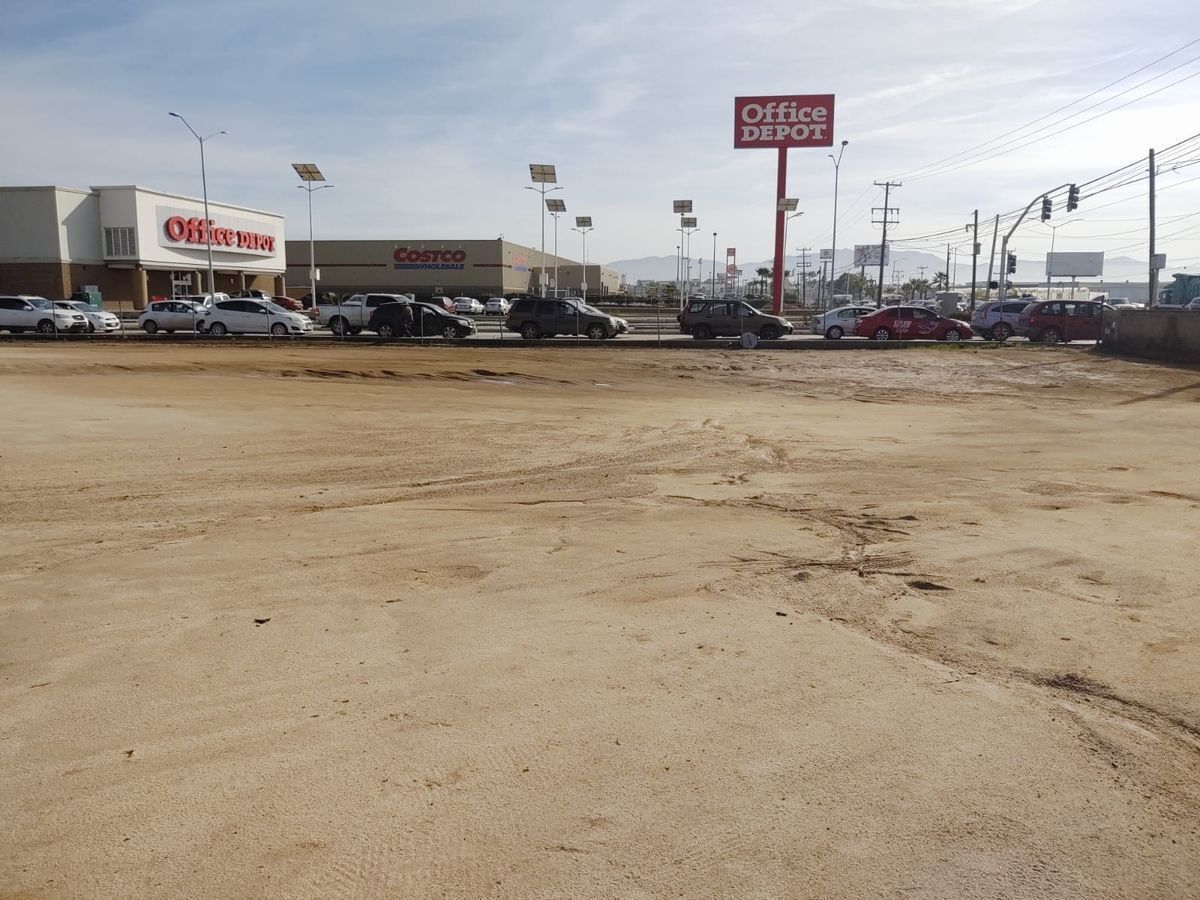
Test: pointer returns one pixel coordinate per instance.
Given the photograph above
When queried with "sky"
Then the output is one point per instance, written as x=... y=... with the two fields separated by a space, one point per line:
x=425 y=117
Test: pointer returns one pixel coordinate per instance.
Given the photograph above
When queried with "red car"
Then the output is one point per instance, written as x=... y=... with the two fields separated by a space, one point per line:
x=287 y=303
x=1054 y=321
x=893 y=323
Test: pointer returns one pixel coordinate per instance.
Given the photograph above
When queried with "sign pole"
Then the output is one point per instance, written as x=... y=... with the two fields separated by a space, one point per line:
x=780 y=219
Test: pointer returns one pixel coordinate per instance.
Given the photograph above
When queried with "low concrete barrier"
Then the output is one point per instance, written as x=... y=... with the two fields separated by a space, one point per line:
x=1172 y=335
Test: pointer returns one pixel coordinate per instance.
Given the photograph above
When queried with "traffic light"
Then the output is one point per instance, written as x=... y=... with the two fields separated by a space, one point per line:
x=1012 y=264
x=1073 y=198
x=1047 y=208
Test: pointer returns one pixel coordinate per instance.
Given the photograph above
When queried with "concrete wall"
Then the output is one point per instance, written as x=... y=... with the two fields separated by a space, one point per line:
x=1166 y=334
x=29 y=225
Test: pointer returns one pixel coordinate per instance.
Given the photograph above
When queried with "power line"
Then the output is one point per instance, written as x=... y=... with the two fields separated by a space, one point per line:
x=1041 y=118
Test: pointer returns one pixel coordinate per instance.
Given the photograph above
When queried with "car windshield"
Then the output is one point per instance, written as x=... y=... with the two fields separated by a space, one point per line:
x=40 y=303
x=592 y=310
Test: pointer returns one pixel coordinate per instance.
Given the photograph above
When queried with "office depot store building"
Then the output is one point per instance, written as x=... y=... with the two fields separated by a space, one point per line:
x=133 y=244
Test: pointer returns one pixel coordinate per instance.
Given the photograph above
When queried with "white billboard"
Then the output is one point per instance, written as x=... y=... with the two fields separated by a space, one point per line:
x=868 y=254
x=1078 y=265
x=826 y=254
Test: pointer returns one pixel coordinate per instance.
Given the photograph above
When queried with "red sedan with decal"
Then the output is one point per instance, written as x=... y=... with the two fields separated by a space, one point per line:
x=896 y=323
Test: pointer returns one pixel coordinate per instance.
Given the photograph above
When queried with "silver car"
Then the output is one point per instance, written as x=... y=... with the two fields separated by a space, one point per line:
x=98 y=319
x=837 y=323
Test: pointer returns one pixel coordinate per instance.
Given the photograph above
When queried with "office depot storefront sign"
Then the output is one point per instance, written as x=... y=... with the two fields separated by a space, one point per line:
x=181 y=228
x=801 y=120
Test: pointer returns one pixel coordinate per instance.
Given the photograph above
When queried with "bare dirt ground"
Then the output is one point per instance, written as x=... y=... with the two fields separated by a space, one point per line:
x=356 y=622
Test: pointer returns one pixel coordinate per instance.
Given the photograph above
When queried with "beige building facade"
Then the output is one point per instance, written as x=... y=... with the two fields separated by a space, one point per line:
x=133 y=243
x=472 y=268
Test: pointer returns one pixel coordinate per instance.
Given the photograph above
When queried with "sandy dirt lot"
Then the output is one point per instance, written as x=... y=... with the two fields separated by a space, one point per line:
x=365 y=622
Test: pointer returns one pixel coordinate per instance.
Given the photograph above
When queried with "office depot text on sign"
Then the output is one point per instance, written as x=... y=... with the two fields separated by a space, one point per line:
x=802 y=120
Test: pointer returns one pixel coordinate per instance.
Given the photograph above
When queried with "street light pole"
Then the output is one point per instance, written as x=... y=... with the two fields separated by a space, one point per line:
x=309 y=173
x=713 y=290
x=212 y=278
x=837 y=166
x=543 y=175
x=583 y=226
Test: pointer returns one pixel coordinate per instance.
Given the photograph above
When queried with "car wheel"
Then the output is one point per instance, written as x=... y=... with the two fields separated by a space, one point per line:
x=338 y=325
x=450 y=332
x=953 y=335
x=386 y=330
x=596 y=332
x=768 y=333
x=1050 y=336
x=702 y=333
x=150 y=326
x=91 y=328
x=46 y=326
x=834 y=333
x=530 y=331
x=279 y=329
x=1001 y=333
x=218 y=329
x=881 y=334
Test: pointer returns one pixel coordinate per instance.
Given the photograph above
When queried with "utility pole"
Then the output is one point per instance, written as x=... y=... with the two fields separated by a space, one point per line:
x=947 y=266
x=974 y=260
x=887 y=218
x=992 y=258
x=804 y=275
x=1153 y=296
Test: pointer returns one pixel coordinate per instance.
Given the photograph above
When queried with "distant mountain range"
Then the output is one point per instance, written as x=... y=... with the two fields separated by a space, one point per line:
x=907 y=265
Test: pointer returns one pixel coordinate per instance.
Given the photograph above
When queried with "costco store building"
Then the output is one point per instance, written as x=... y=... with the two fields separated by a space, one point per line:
x=481 y=269
x=133 y=243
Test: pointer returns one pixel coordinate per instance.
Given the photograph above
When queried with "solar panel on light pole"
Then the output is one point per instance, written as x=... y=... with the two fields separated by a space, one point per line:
x=583 y=224
x=309 y=174
x=683 y=206
x=542 y=175
x=787 y=204
x=556 y=208
x=308 y=171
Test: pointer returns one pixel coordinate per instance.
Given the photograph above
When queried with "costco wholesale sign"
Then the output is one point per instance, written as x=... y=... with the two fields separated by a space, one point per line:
x=801 y=120
x=429 y=259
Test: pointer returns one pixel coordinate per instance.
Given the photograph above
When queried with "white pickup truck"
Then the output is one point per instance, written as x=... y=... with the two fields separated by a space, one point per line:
x=352 y=314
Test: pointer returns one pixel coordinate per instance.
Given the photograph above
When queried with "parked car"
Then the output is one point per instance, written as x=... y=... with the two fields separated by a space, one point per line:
x=911 y=323
x=496 y=306
x=1126 y=306
x=205 y=299
x=172 y=315
x=26 y=312
x=286 y=302
x=535 y=318
x=705 y=319
x=996 y=321
x=1194 y=305
x=97 y=319
x=428 y=321
x=839 y=322
x=246 y=316
x=444 y=302
x=352 y=314
x=468 y=306
x=1055 y=321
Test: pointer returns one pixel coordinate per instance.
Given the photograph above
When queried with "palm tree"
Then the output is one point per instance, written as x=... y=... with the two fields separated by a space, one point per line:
x=763 y=274
x=941 y=282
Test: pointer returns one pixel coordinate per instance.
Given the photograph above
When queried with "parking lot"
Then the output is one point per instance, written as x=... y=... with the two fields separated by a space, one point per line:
x=371 y=620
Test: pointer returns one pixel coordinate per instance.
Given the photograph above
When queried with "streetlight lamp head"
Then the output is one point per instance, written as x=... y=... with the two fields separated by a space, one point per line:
x=844 y=143
x=176 y=115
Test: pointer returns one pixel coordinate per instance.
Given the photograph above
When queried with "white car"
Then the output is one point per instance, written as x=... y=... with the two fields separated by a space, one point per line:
x=467 y=306
x=172 y=315
x=1194 y=305
x=497 y=306
x=837 y=323
x=246 y=316
x=25 y=312
x=98 y=319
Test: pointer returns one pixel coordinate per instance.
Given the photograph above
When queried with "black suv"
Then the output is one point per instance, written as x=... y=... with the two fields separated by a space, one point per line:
x=534 y=318
x=705 y=319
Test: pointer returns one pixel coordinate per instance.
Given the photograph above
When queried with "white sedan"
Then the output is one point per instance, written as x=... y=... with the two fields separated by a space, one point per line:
x=98 y=319
x=249 y=316
x=171 y=315
x=837 y=323
x=497 y=306
x=467 y=306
